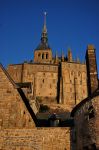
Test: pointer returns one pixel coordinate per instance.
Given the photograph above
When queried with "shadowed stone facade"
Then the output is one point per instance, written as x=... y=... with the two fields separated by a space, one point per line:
x=85 y=133
x=50 y=103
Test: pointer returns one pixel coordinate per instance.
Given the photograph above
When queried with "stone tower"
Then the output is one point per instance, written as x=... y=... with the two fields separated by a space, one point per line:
x=91 y=69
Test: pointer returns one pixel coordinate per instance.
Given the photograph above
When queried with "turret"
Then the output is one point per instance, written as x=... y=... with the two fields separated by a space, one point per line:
x=92 y=73
x=56 y=58
x=69 y=55
x=62 y=58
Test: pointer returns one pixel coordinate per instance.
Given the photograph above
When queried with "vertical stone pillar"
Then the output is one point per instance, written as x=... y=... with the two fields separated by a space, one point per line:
x=92 y=73
x=34 y=87
x=61 y=91
x=56 y=58
x=62 y=59
x=22 y=72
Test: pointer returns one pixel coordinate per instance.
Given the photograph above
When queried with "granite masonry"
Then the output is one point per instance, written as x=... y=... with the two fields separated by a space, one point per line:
x=50 y=103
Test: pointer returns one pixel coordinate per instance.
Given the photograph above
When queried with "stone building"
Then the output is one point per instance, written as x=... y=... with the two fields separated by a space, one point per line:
x=85 y=133
x=50 y=103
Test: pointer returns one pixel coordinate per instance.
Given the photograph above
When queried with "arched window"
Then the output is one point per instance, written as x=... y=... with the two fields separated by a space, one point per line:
x=43 y=56
x=47 y=56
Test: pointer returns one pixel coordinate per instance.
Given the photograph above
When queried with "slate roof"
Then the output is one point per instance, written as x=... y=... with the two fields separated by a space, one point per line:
x=43 y=46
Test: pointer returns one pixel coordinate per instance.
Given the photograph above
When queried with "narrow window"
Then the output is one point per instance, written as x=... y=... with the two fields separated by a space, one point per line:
x=91 y=112
x=44 y=74
x=46 y=56
x=43 y=56
x=79 y=73
x=43 y=80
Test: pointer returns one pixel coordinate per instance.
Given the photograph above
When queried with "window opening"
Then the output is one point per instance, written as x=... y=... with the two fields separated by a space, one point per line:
x=43 y=80
x=43 y=56
x=91 y=112
x=46 y=56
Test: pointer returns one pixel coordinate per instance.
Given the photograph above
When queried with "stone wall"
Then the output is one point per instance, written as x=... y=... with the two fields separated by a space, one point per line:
x=35 y=139
x=16 y=72
x=44 y=78
x=85 y=134
x=42 y=56
x=13 y=111
x=92 y=72
x=74 y=83
x=45 y=81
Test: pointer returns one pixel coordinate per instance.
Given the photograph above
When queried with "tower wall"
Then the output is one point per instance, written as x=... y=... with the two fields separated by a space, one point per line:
x=42 y=56
x=91 y=69
x=74 y=83
x=16 y=72
x=44 y=78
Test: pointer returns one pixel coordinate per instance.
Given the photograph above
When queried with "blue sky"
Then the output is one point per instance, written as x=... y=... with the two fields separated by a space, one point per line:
x=71 y=24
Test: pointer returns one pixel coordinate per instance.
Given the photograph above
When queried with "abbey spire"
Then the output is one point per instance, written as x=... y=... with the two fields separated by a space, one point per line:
x=44 y=27
x=43 y=53
x=44 y=37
